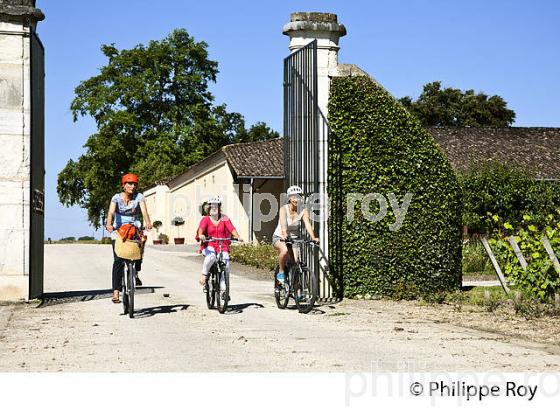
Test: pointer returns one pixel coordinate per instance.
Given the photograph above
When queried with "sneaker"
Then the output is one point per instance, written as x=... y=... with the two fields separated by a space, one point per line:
x=280 y=277
x=138 y=281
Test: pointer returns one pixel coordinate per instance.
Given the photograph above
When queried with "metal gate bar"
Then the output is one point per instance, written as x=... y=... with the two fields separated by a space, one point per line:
x=305 y=132
x=37 y=162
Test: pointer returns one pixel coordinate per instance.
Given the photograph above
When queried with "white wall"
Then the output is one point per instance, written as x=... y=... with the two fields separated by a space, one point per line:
x=185 y=201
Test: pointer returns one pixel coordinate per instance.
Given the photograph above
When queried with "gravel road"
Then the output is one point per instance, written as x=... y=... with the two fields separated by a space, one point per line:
x=77 y=328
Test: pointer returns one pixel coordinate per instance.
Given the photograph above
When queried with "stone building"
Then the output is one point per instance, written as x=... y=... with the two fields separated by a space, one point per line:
x=22 y=155
x=250 y=179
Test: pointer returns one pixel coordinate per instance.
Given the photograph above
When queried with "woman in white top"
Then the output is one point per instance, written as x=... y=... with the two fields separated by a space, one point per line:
x=289 y=220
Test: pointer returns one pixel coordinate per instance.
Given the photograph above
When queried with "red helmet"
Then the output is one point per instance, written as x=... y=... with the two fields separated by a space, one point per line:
x=129 y=178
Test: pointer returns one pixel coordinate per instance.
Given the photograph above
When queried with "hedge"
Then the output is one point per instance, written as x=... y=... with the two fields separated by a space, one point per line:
x=511 y=192
x=261 y=255
x=376 y=146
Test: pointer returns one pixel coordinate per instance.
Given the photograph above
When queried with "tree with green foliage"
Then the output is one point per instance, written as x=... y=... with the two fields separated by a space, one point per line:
x=155 y=117
x=437 y=106
x=68 y=239
x=86 y=238
x=258 y=132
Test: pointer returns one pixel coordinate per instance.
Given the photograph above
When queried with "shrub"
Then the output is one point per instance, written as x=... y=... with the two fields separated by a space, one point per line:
x=262 y=256
x=376 y=146
x=540 y=280
x=498 y=189
x=475 y=259
x=86 y=238
x=157 y=225
x=163 y=238
x=68 y=239
x=404 y=291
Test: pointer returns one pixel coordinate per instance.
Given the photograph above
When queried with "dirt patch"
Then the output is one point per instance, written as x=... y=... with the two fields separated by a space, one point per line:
x=503 y=321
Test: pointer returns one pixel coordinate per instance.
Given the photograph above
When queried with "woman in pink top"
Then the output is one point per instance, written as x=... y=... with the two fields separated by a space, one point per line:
x=215 y=225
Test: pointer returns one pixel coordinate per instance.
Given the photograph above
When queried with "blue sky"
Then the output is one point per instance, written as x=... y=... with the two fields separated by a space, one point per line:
x=509 y=48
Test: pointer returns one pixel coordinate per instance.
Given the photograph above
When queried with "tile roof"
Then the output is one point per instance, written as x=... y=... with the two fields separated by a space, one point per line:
x=263 y=159
x=532 y=148
x=528 y=147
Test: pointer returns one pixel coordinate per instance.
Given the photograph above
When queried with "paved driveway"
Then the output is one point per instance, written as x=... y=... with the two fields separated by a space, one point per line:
x=79 y=329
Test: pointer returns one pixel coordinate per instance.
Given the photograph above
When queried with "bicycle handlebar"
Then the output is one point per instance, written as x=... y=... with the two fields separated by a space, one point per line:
x=309 y=241
x=220 y=240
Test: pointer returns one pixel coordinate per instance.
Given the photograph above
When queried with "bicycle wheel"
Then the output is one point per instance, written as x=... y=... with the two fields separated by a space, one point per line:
x=223 y=294
x=281 y=291
x=305 y=293
x=131 y=282
x=219 y=300
x=210 y=295
x=124 y=294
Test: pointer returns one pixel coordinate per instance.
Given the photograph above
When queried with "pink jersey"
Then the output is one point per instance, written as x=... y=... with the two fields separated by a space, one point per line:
x=222 y=230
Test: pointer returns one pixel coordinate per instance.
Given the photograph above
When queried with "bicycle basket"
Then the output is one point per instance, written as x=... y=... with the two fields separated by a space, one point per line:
x=130 y=249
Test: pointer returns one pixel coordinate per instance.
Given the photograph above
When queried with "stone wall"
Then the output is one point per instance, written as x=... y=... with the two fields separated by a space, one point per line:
x=17 y=19
x=14 y=159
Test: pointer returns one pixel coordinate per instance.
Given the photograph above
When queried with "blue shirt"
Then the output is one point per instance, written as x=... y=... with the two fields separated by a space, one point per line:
x=127 y=214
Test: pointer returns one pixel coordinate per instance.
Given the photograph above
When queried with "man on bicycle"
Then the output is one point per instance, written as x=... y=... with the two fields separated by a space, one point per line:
x=290 y=218
x=126 y=207
x=215 y=225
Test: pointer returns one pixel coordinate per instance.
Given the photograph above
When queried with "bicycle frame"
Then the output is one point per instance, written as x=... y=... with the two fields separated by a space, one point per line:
x=220 y=253
x=221 y=296
x=291 y=256
x=299 y=284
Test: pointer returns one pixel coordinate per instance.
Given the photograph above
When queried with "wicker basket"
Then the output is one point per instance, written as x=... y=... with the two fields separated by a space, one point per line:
x=130 y=249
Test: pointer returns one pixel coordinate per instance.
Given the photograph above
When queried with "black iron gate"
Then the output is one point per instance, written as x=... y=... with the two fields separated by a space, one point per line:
x=37 y=160
x=305 y=148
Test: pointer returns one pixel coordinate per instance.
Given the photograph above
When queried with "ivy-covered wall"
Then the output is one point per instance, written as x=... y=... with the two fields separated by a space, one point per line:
x=376 y=146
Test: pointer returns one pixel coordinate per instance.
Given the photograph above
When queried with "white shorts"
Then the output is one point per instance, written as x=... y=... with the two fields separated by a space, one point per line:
x=210 y=250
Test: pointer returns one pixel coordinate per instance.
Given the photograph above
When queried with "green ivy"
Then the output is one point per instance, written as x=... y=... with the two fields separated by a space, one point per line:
x=376 y=146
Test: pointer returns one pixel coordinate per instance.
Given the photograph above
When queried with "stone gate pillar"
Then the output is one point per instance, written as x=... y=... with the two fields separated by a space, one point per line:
x=323 y=27
x=302 y=29
x=18 y=19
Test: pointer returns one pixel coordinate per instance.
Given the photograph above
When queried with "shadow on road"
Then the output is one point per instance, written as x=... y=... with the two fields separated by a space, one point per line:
x=235 y=309
x=314 y=311
x=56 y=298
x=157 y=310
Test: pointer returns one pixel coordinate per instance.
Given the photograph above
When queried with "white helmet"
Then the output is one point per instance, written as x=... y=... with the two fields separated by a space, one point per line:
x=215 y=200
x=294 y=190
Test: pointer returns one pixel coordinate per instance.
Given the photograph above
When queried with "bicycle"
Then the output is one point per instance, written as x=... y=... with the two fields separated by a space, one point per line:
x=130 y=250
x=300 y=283
x=215 y=295
x=129 y=287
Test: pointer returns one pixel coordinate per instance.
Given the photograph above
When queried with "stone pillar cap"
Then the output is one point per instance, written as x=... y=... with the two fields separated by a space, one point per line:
x=313 y=21
x=22 y=9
